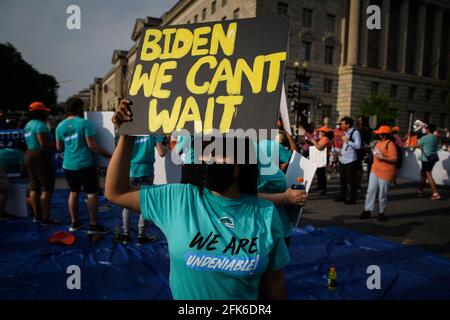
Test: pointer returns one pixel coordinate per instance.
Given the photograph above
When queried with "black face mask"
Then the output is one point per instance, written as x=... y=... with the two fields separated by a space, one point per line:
x=217 y=177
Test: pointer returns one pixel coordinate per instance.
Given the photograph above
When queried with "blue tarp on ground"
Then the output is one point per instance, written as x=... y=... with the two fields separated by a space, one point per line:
x=31 y=268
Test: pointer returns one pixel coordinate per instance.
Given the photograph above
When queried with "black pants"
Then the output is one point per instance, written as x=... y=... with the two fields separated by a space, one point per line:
x=322 y=178
x=348 y=178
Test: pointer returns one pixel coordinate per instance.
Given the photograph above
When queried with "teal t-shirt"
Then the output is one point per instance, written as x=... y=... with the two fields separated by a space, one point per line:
x=143 y=156
x=219 y=247
x=183 y=145
x=32 y=128
x=73 y=132
x=273 y=148
x=10 y=159
x=429 y=145
x=276 y=183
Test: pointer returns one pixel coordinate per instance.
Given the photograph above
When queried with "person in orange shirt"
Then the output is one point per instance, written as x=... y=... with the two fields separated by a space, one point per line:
x=383 y=171
x=325 y=138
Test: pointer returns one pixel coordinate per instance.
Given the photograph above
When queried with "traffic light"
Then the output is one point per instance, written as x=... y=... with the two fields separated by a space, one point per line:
x=293 y=90
x=306 y=85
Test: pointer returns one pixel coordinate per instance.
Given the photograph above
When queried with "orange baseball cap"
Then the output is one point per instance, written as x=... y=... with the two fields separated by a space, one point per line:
x=38 y=106
x=63 y=237
x=383 y=129
x=324 y=129
x=396 y=128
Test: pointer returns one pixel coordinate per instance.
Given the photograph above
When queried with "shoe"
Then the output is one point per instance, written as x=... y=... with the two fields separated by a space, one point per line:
x=350 y=202
x=436 y=196
x=339 y=199
x=381 y=217
x=50 y=222
x=419 y=193
x=365 y=215
x=98 y=229
x=76 y=226
x=37 y=219
x=143 y=240
x=125 y=238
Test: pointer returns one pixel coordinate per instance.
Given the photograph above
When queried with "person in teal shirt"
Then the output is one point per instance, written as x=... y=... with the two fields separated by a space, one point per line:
x=39 y=160
x=224 y=242
x=272 y=186
x=76 y=137
x=141 y=173
x=429 y=145
x=11 y=161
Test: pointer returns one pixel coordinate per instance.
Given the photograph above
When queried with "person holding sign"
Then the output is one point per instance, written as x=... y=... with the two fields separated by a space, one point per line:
x=39 y=162
x=77 y=137
x=324 y=143
x=224 y=242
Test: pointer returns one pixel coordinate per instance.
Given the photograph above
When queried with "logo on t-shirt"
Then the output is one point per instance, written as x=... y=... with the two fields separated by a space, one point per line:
x=227 y=222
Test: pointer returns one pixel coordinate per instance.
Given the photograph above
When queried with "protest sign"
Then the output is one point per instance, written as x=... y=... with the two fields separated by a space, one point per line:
x=9 y=137
x=105 y=134
x=318 y=157
x=300 y=166
x=199 y=77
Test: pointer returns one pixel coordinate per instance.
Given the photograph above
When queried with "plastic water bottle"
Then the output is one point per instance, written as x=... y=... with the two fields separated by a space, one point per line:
x=299 y=185
x=332 y=276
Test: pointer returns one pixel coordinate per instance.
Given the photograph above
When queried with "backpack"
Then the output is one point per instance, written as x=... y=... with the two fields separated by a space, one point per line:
x=361 y=152
x=399 y=162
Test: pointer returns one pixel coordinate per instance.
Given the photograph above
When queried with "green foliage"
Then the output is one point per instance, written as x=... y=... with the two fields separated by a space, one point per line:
x=381 y=106
x=23 y=84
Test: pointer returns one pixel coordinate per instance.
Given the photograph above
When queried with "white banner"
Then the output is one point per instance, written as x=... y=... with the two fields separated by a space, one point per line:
x=318 y=157
x=104 y=129
x=300 y=166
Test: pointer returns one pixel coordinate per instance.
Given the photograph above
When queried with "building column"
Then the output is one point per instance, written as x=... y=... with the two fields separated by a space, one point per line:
x=402 y=47
x=384 y=35
x=353 y=37
x=344 y=35
x=364 y=35
x=420 y=40
x=437 y=43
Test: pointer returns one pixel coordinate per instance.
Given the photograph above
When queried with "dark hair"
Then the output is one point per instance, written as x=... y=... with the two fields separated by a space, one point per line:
x=38 y=115
x=73 y=106
x=364 y=121
x=329 y=135
x=348 y=121
x=431 y=127
x=248 y=171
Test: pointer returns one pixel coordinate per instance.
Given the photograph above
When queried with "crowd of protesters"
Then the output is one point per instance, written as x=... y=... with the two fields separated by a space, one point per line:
x=223 y=200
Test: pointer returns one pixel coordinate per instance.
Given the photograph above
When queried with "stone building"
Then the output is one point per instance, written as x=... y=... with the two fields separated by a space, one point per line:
x=408 y=59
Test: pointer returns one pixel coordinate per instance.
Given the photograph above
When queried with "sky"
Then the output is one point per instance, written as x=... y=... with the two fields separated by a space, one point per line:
x=37 y=28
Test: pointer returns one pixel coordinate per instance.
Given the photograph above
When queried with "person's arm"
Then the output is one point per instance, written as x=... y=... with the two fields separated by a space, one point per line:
x=290 y=196
x=117 y=183
x=161 y=149
x=273 y=286
x=92 y=144
x=392 y=154
x=59 y=146
x=292 y=145
x=44 y=141
x=356 y=143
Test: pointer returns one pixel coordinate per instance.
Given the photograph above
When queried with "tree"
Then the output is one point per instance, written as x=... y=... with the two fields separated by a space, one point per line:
x=381 y=106
x=23 y=84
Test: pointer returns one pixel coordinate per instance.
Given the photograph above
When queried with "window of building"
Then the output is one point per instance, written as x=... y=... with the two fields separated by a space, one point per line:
x=306 y=50
x=443 y=120
x=427 y=117
x=307 y=18
x=195 y=18
x=327 y=85
x=374 y=87
x=394 y=91
x=283 y=8
x=213 y=7
x=224 y=3
x=204 y=14
x=329 y=51
x=428 y=95
x=236 y=14
x=411 y=93
x=331 y=23
x=326 y=111
x=224 y=18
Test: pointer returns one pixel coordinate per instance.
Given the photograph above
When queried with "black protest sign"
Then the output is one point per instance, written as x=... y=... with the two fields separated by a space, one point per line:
x=219 y=75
